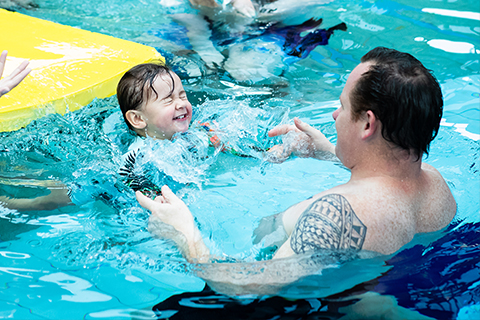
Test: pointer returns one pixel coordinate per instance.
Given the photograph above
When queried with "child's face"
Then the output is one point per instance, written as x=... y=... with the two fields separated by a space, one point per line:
x=167 y=114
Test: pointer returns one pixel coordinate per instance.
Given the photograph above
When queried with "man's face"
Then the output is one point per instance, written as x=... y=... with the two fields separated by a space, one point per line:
x=347 y=128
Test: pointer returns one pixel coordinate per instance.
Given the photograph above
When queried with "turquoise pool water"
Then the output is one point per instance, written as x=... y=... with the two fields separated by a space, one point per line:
x=97 y=260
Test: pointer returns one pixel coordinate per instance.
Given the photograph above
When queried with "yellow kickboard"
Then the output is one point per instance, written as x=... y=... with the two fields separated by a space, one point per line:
x=70 y=67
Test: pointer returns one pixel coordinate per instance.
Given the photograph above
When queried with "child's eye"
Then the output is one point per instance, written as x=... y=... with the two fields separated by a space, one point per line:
x=183 y=96
x=168 y=100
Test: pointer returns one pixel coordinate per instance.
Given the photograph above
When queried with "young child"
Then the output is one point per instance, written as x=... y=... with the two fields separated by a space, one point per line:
x=154 y=104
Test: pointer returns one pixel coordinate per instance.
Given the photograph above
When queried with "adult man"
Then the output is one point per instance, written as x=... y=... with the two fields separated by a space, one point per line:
x=390 y=111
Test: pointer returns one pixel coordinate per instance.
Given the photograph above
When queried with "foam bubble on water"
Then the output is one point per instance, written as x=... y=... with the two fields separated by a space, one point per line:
x=81 y=290
x=453 y=46
x=170 y=3
x=454 y=13
x=130 y=313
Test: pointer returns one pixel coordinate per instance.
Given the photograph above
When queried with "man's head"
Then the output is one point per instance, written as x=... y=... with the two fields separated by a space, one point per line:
x=153 y=101
x=403 y=95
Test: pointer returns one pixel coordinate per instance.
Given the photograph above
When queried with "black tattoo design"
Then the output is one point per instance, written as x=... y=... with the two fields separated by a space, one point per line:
x=328 y=223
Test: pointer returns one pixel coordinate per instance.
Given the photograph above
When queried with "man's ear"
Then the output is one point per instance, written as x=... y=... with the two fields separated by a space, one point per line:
x=371 y=125
x=136 y=119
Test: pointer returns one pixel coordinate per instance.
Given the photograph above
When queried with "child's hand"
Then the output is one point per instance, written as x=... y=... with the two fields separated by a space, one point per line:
x=10 y=82
x=303 y=141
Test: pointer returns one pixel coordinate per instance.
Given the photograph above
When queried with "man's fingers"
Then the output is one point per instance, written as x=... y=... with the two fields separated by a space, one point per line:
x=299 y=126
x=168 y=194
x=304 y=127
x=144 y=201
x=280 y=130
x=167 y=197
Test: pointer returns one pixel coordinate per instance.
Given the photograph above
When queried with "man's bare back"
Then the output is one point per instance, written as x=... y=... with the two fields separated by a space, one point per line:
x=392 y=211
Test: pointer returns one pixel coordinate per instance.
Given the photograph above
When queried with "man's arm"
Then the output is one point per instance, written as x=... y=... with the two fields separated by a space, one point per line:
x=171 y=219
x=328 y=223
x=304 y=141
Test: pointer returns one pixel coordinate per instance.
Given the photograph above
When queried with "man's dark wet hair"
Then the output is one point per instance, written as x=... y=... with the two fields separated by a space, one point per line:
x=136 y=86
x=403 y=95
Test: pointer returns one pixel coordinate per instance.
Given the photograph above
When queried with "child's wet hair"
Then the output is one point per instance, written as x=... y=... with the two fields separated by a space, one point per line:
x=136 y=86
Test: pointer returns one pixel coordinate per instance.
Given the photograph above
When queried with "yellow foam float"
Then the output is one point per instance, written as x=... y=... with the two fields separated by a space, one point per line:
x=70 y=67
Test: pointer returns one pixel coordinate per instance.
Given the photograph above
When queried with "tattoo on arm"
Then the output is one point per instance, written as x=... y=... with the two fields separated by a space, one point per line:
x=328 y=223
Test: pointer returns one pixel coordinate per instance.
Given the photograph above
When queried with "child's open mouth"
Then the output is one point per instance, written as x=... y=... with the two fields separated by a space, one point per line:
x=180 y=117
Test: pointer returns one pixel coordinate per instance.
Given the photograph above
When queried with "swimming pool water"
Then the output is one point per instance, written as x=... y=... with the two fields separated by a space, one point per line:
x=97 y=260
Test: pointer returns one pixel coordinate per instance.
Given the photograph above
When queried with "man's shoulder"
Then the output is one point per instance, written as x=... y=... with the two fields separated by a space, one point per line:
x=366 y=212
x=329 y=222
x=353 y=220
x=439 y=203
x=389 y=209
x=430 y=170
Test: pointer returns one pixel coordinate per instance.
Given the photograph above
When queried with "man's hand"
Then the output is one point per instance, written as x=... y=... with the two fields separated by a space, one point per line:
x=302 y=140
x=168 y=209
x=10 y=82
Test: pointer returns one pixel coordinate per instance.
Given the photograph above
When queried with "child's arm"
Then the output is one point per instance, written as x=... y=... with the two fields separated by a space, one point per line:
x=215 y=142
x=55 y=199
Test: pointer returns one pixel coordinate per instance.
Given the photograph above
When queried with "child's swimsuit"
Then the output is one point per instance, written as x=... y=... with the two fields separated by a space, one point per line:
x=140 y=182
x=145 y=185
